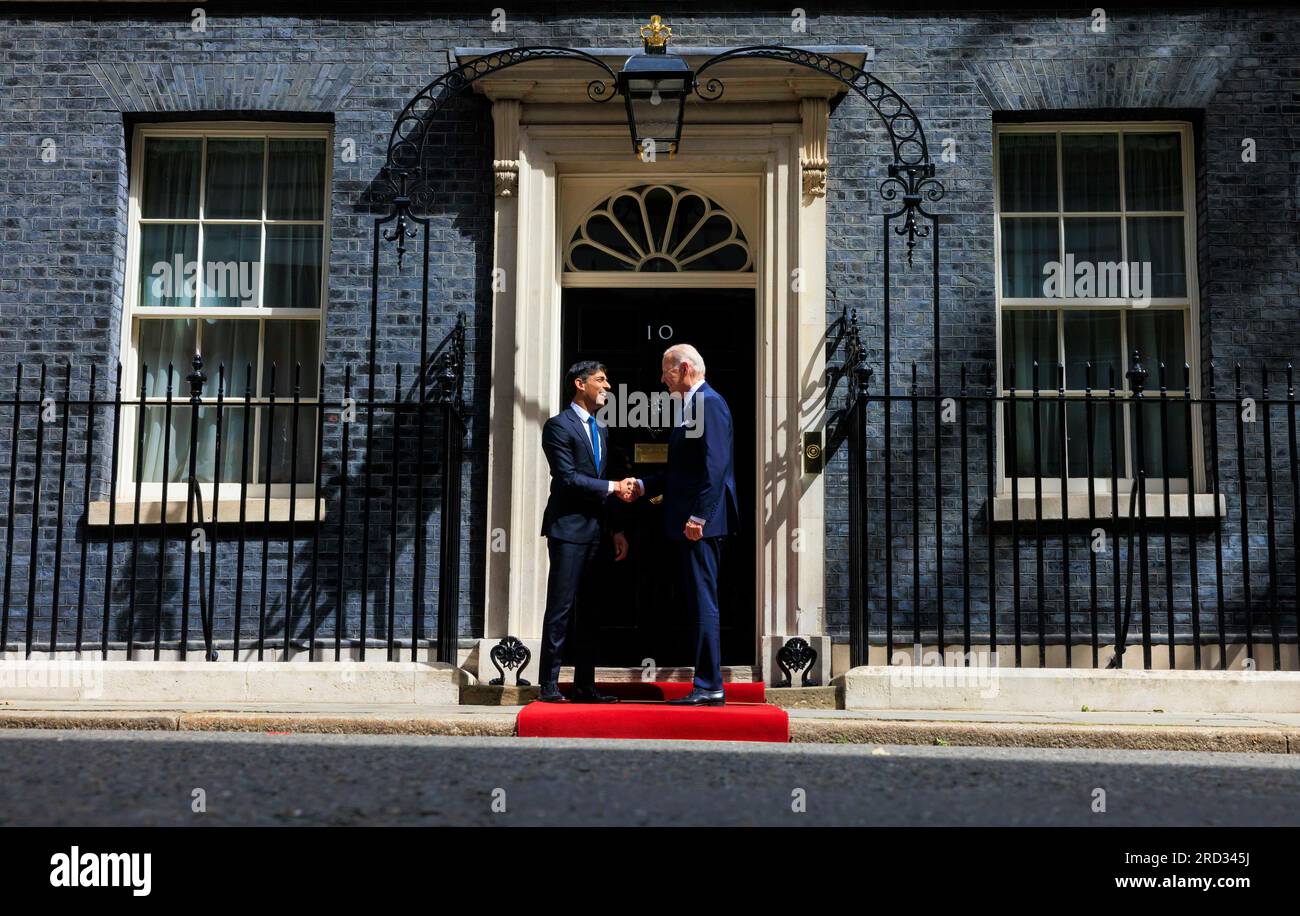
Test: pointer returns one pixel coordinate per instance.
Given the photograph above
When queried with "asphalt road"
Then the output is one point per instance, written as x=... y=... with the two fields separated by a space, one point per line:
x=149 y=778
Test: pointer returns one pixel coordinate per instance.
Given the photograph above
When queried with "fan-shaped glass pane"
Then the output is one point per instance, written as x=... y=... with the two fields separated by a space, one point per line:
x=585 y=257
x=601 y=229
x=659 y=205
x=714 y=230
x=626 y=209
x=691 y=208
x=729 y=257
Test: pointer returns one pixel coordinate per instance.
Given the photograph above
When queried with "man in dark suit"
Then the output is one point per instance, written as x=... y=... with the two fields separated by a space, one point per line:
x=577 y=524
x=700 y=507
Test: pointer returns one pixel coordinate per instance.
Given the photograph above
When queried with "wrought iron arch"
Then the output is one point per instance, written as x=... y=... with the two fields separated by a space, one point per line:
x=911 y=174
x=403 y=170
x=906 y=136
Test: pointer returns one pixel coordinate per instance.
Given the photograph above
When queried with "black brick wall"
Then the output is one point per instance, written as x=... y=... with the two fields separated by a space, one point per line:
x=81 y=75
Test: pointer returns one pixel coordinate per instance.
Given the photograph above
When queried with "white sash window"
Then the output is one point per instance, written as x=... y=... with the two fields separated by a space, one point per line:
x=1095 y=249
x=227 y=256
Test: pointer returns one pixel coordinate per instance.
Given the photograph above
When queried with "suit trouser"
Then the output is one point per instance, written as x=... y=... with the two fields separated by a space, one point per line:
x=698 y=562
x=570 y=612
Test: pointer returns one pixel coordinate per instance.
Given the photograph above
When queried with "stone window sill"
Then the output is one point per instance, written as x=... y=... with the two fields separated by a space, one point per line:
x=256 y=511
x=1204 y=507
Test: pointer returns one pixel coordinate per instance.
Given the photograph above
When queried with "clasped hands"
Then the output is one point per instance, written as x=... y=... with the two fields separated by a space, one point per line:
x=629 y=492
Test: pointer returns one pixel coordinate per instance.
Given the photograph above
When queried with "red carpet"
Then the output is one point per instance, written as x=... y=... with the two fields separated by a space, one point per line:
x=642 y=714
x=671 y=690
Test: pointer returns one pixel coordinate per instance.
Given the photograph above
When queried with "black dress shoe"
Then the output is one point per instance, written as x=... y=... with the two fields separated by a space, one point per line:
x=592 y=695
x=551 y=694
x=699 y=697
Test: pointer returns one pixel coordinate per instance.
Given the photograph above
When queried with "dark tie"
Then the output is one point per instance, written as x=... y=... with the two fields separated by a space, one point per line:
x=595 y=441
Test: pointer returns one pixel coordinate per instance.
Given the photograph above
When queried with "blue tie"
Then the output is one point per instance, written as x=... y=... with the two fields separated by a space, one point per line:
x=595 y=441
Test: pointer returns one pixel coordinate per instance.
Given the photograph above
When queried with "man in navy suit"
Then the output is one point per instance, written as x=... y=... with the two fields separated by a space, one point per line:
x=700 y=507
x=577 y=524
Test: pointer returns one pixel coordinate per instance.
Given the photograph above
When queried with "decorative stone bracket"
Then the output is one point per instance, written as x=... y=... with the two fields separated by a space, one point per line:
x=507 y=105
x=815 y=115
x=505 y=147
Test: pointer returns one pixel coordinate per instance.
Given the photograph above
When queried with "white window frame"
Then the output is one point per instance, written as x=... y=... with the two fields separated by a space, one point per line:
x=1189 y=304
x=132 y=311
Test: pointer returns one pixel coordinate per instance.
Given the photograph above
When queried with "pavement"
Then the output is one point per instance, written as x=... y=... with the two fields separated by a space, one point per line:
x=1223 y=732
x=157 y=778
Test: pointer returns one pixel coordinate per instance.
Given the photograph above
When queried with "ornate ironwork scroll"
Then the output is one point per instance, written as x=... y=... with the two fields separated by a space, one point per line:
x=404 y=175
x=797 y=655
x=510 y=653
x=911 y=175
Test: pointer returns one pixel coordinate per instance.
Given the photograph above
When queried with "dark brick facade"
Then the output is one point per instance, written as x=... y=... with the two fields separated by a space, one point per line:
x=83 y=76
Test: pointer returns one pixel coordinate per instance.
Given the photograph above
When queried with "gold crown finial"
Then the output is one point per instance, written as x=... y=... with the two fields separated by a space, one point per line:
x=656 y=34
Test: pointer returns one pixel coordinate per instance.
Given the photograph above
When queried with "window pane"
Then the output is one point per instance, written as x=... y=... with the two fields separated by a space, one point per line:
x=289 y=343
x=292 y=267
x=1148 y=426
x=234 y=186
x=160 y=440
x=1153 y=175
x=171 y=178
x=165 y=342
x=1157 y=241
x=690 y=210
x=1090 y=171
x=1157 y=336
x=1094 y=242
x=232 y=343
x=177 y=445
x=1076 y=414
x=585 y=257
x=168 y=256
x=1028 y=336
x=1027 y=172
x=659 y=205
x=279 y=429
x=295 y=187
x=1027 y=246
x=1027 y=455
x=231 y=265
x=1093 y=337
x=232 y=446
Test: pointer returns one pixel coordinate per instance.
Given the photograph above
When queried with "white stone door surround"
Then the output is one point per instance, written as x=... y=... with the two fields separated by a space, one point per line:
x=762 y=155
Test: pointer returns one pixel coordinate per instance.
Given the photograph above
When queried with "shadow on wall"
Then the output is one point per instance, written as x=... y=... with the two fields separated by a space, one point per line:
x=145 y=565
x=457 y=205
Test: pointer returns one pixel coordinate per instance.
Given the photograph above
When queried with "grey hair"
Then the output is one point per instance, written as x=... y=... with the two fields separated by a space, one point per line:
x=685 y=353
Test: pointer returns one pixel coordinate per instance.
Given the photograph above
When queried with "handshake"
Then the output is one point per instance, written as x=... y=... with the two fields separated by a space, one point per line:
x=627 y=490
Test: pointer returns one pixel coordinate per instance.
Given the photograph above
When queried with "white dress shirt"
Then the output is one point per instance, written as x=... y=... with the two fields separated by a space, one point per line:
x=583 y=415
x=686 y=402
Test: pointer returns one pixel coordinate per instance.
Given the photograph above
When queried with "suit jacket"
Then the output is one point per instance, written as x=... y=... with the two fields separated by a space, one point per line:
x=700 y=479
x=579 y=509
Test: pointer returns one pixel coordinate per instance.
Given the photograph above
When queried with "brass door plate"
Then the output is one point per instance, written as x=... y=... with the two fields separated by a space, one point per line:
x=650 y=453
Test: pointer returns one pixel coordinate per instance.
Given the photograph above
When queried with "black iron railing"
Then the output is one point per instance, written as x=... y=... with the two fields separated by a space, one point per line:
x=291 y=541
x=961 y=545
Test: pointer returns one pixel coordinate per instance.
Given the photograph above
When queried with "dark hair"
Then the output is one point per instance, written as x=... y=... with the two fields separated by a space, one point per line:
x=583 y=369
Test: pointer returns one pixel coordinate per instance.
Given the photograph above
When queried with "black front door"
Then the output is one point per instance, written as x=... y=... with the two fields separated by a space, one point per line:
x=641 y=613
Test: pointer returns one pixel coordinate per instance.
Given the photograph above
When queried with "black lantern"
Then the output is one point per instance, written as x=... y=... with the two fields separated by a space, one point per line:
x=654 y=84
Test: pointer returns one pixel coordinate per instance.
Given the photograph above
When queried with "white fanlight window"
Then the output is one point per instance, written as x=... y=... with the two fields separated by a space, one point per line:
x=658 y=228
